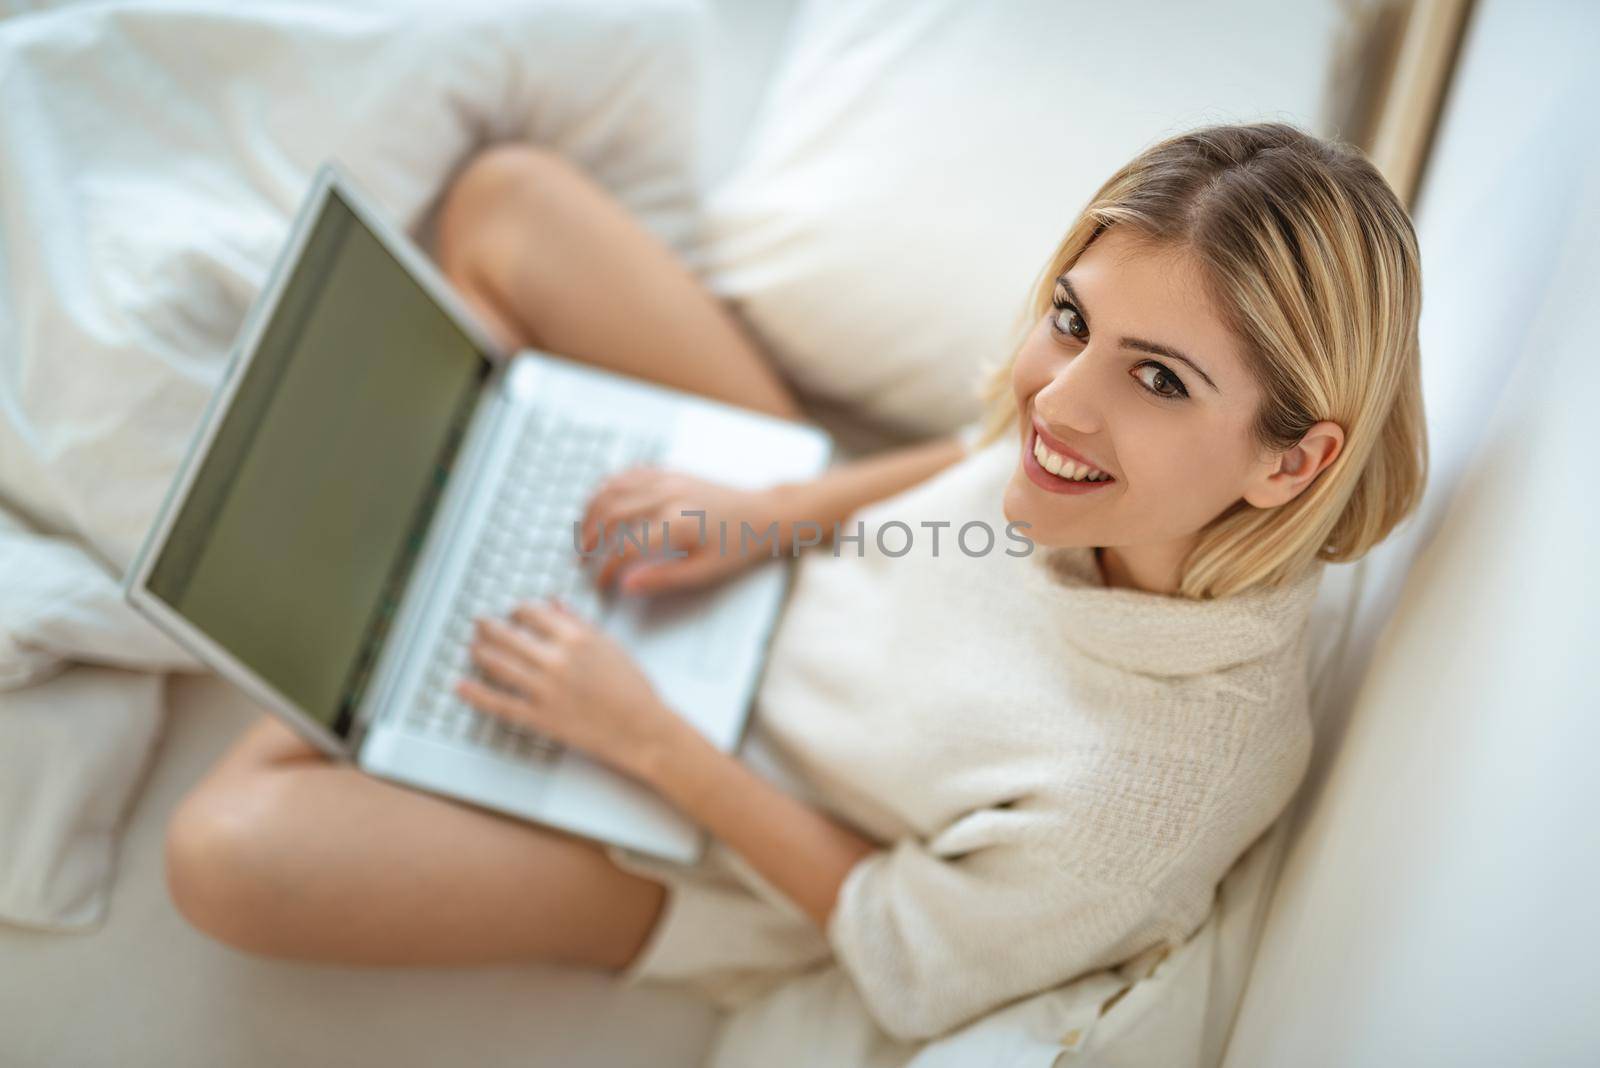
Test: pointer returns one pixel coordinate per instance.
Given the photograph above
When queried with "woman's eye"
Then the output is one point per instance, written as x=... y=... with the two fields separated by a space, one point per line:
x=1163 y=383
x=1067 y=320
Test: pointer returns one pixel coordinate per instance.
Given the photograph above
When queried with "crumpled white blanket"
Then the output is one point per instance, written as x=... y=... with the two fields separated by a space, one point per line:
x=152 y=155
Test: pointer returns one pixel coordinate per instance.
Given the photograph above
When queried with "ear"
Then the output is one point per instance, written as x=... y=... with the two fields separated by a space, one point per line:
x=1292 y=470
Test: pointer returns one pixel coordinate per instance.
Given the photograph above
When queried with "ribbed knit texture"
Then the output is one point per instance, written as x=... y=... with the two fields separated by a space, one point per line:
x=1059 y=772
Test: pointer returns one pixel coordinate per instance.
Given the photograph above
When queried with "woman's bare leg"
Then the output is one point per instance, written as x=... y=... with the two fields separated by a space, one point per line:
x=550 y=260
x=284 y=853
x=281 y=852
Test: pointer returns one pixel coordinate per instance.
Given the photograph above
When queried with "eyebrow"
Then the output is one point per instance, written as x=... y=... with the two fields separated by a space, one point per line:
x=1139 y=343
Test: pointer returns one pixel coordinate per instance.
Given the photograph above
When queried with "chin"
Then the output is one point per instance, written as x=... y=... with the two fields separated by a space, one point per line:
x=1019 y=505
x=1014 y=501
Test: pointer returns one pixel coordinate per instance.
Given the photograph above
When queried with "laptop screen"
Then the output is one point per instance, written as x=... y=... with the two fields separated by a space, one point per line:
x=318 y=484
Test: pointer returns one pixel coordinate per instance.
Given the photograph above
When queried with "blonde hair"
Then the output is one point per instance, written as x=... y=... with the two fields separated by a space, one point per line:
x=1313 y=262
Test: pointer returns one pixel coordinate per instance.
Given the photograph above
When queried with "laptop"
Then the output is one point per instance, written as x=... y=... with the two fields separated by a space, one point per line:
x=372 y=474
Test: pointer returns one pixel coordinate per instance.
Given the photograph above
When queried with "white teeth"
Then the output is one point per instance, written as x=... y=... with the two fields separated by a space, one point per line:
x=1062 y=467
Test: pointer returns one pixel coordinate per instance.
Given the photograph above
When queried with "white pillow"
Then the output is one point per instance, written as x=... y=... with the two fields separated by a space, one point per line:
x=151 y=157
x=915 y=162
x=73 y=749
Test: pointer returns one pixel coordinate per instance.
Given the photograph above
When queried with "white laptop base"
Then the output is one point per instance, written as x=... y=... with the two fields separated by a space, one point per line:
x=702 y=649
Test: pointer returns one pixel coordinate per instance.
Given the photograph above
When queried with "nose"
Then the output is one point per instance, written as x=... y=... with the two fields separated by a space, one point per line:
x=1072 y=400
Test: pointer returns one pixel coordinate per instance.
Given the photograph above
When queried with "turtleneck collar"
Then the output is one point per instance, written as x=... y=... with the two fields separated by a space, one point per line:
x=1157 y=634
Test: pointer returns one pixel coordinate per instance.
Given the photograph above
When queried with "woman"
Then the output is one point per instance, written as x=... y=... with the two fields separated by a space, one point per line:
x=990 y=772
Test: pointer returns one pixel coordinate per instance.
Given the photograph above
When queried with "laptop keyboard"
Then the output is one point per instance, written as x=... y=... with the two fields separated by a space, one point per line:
x=524 y=552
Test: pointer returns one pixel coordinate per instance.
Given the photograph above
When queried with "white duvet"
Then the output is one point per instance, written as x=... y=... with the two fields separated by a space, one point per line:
x=151 y=157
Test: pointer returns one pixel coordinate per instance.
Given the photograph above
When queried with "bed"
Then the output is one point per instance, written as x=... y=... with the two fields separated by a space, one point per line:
x=150 y=155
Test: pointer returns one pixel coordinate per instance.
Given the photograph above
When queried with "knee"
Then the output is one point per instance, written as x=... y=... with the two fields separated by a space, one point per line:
x=218 y=860
x=503 y=181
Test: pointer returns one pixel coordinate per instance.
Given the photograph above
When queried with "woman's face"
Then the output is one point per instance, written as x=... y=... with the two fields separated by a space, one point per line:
x=1100 y=378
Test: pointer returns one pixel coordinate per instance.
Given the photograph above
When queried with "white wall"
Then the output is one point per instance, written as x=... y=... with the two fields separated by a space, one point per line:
x=1438 y=904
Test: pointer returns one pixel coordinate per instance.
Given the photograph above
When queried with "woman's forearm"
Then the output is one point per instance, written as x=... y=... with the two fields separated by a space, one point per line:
x=833 y=496
x=797 y=849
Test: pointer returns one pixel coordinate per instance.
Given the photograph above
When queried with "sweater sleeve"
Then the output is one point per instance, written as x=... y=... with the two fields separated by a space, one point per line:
x=934 y=934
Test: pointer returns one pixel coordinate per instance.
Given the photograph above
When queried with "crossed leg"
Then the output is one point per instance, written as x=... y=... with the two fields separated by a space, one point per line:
x=550 y=260
x=281 y=852
x=284 y=853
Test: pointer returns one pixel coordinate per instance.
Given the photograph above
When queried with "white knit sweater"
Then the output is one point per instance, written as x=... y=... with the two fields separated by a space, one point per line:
x=1060 y=772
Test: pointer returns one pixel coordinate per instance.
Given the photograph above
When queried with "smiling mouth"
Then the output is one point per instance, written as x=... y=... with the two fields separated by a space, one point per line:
x=1066 y=469
x=1066 y=478
x=1061 y=464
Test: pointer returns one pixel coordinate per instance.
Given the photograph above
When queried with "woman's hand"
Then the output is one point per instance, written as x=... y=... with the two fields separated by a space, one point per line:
x=680 y=551
x=558 y=674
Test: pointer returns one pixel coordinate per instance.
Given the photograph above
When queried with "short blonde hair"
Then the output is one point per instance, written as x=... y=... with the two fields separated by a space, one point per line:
x=1313 y=262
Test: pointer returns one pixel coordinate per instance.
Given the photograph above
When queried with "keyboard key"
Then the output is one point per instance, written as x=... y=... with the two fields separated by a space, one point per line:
x=525 y=552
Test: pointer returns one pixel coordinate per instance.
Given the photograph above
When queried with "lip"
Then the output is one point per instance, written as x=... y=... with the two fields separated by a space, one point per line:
x=1046 y=481
x=1055 y=446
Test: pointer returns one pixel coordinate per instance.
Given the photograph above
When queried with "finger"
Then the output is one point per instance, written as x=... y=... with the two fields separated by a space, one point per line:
x=517 y=640
x=543 y=619
x=635 y=545
x=621 y=493
x=626 y=510
x=668 y=575
x=493 y=701
x=616 y=500
x=663 y=535
x=689 y=532
x=510 y=673
x=636 y=475
x=680 y=539
x=594 y=512
x=675 y=541
x=529 y=617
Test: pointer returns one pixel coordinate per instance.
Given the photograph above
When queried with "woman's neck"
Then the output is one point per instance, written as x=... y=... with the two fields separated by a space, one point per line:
x=1149 y=568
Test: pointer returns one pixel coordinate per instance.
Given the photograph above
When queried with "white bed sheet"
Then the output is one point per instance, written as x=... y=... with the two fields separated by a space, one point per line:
x=152 y=154
x=147 y=990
